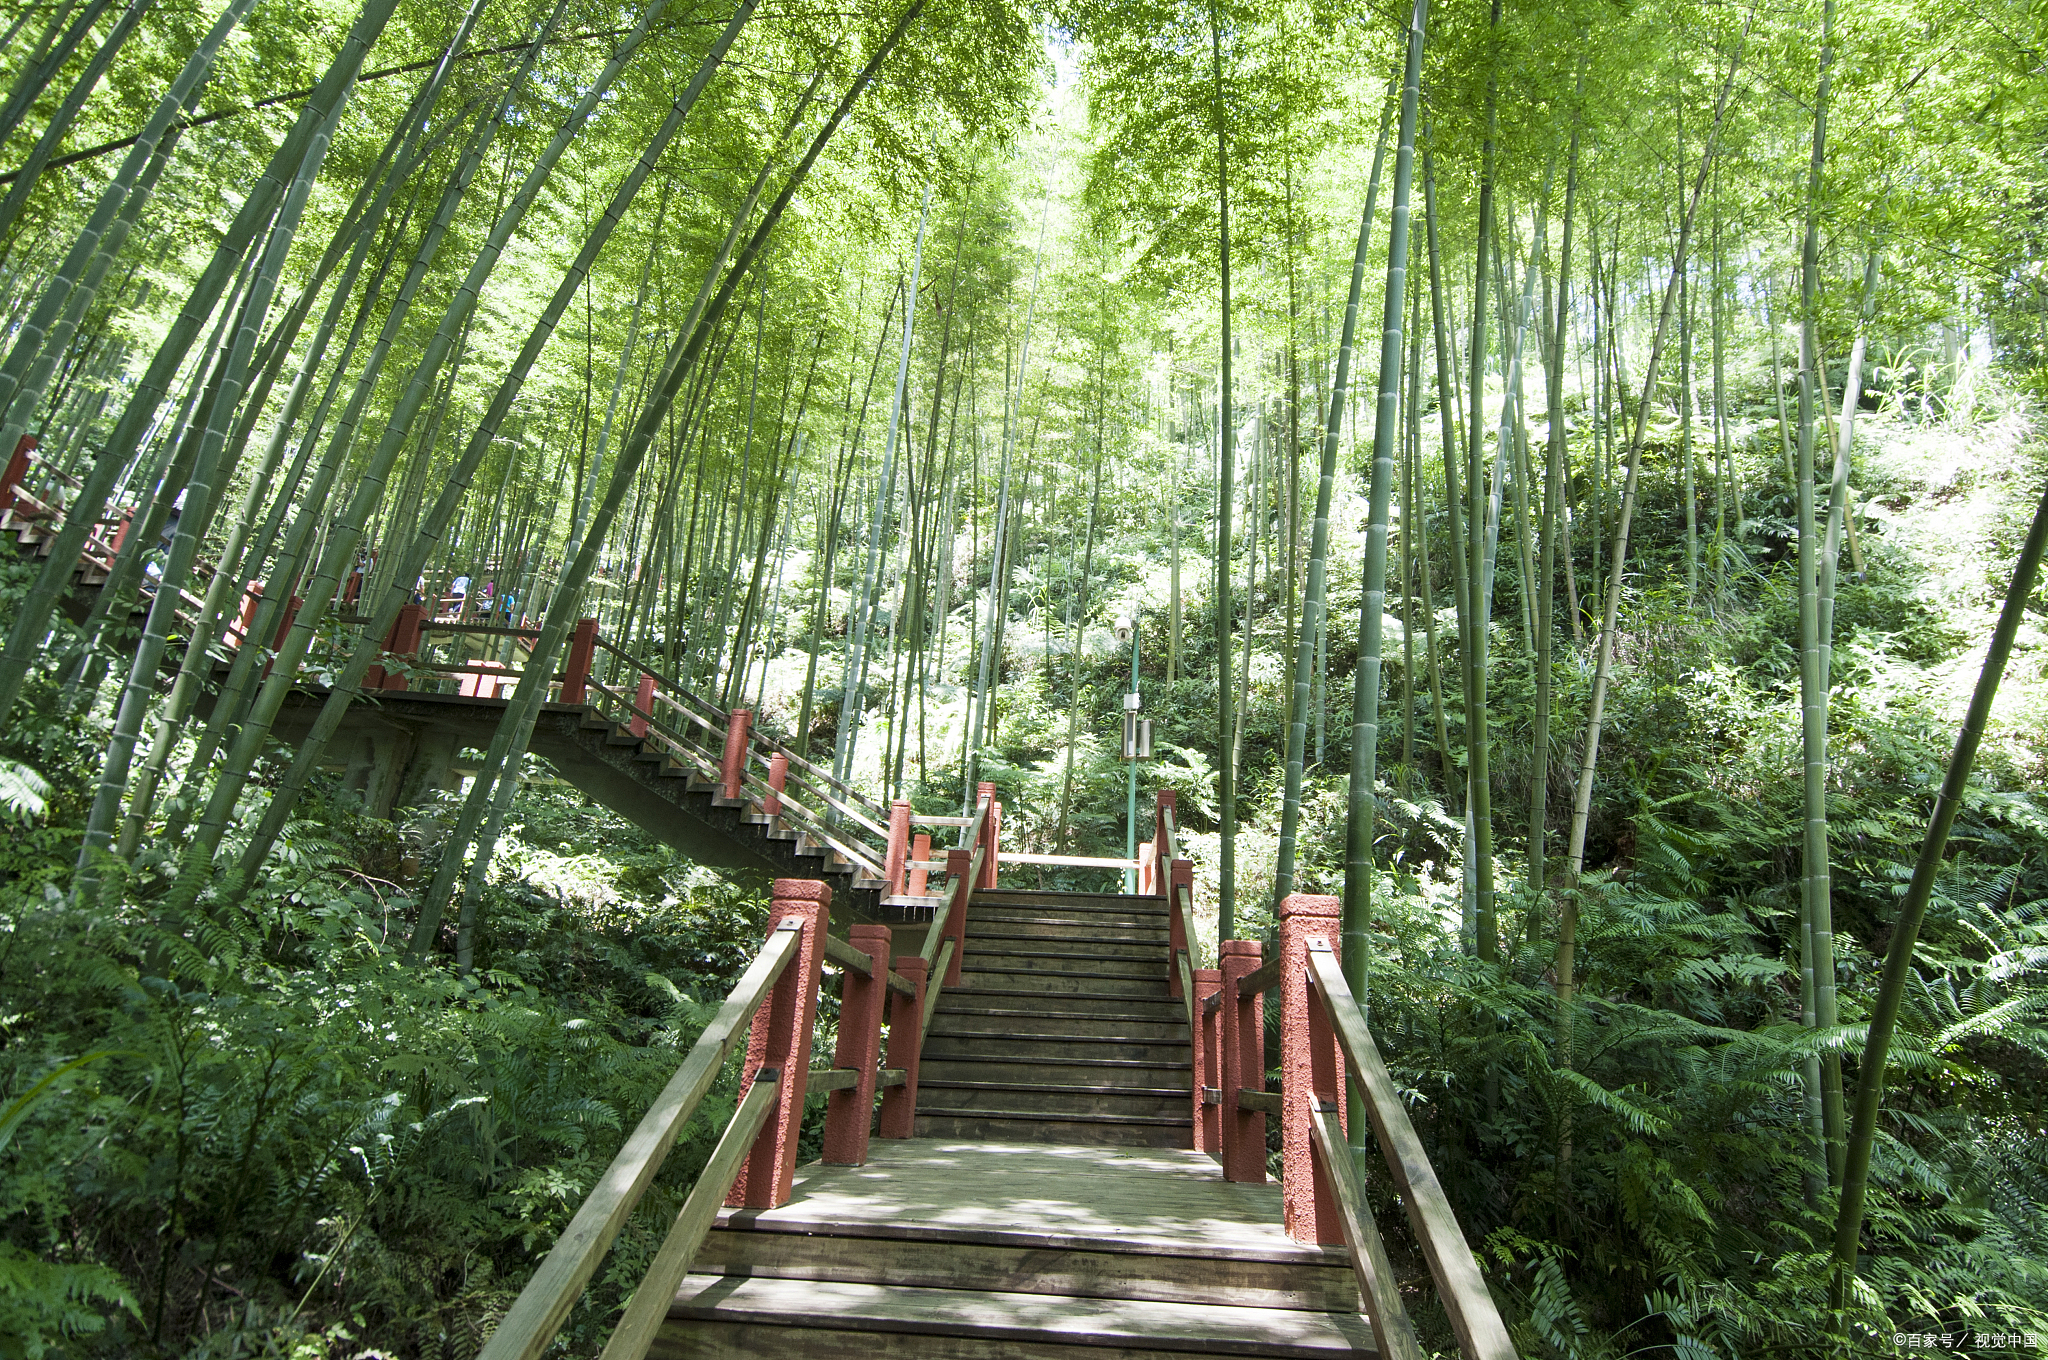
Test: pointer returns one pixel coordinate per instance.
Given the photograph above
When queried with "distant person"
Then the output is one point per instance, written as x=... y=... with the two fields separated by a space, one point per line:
x=459 y=590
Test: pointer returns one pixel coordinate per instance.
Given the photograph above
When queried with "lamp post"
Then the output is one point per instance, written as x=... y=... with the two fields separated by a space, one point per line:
x=1137 y=745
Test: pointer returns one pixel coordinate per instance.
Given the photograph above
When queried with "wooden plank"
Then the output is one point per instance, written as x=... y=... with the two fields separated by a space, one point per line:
x=530 y=1324
x=671 y=1265
x=902 y=985
x=1187 y=992
x=846 y=956
x=1265 y=1102
x=1011 y=1191
x=930 y=819
x=1261 y=979
x=830 y=1079
x=1481 y=1334
x=947 y=1263
x=935 y=986
x=1000 y=1317
x=1376 y=1279
x=893 y=1076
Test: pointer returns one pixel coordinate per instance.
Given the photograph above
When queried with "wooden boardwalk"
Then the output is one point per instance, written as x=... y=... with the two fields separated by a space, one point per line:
x=954 y=1248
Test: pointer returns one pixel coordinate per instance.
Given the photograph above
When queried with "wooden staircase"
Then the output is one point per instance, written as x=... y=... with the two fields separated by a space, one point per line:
x=951 y=1250
x=1061 y=1029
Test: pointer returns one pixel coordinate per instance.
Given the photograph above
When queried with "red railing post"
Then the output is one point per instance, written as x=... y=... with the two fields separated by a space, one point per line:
x=17 y=468
x=1310 y=1064
x=778 y=776
x=732 y=762
x=985 y=792
x=1208 y=1053
x=958 y=863
x=252 y=600
x=127 y=523
x=849 y=1112
x=780 y=1043
x=1243 y=1016
x=403 y=641
x=906 y=1044
x=1181 y=874
x=920 y=850
x=582 y=651
x=284 y=628
x=899 y=847
x=643 y=700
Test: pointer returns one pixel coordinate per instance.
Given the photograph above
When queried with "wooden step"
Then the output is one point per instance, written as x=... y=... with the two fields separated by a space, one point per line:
x=1068 y=928
x=1101 y=922
x=1061 y=958
x=937 y=1121
x=808 y=1319
x=1093 y=1100
x=1117 y=908
x=960 y=1018
x=1027 y=1264
x=1054 y=1048
x=1059 y=1071
x=1086 y=900
x=1002 y=939
x=1072 y=1003
x=1146 y=986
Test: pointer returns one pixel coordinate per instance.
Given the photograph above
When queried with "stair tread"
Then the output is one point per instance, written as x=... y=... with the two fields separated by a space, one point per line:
x=930 y=1059
x=1183 y=1121
x=1157 y=975
x=925 y=1083
x=1044 y=995
x=995 y=1316
x=1039 y=1013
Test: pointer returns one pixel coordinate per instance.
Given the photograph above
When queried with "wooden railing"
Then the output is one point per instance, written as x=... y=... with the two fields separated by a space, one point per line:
x=755 y=1160
x=1323 y=1042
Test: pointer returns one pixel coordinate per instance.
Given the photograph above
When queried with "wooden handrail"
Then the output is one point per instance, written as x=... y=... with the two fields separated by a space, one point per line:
x=816 y=828
x=934 y=987
x=1264 y=978
x=846 y=956
x=1460 y=1287
x=535 y=1316
x=649 y=1309
x=1187 y=991
x=1376 y=1279
x=862 y=818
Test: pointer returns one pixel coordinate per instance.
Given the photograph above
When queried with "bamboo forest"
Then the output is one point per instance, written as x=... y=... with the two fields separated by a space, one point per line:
x=1378 y=674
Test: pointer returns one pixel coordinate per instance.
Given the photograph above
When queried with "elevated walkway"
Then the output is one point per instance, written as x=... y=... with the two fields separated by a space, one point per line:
x=698 y=779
